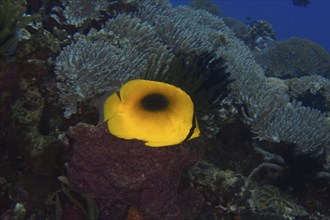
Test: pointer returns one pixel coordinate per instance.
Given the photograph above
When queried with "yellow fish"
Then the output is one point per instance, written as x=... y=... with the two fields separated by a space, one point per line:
x=157 y=113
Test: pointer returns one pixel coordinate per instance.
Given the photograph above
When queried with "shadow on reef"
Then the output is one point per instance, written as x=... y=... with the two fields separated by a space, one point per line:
x=263 y=152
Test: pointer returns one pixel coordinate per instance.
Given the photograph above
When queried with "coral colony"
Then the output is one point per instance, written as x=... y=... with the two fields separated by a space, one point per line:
x=269 y=111
x=139 y=110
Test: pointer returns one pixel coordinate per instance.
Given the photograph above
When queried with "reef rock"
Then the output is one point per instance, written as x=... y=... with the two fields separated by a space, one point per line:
x=118 y=172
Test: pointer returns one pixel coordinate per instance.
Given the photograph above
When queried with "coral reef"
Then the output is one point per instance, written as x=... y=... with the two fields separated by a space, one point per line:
x=133 y=31
x=115 y=171
x=313 y=91
x=285 y=122
x=240 y=29
x=266 y=106
x=260 y=35
x=182 y=35
x=12 y=20
x=268 y=199
x=210 y=180
x=102 y=61
x=294 y=57
x=65 y=203
x=269 y=126
x=40 y=150
x=76 y=12
x=73 y=74
x=207 y=5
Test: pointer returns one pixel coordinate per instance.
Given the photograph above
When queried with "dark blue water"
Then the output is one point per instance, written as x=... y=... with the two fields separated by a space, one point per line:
x=311 y=22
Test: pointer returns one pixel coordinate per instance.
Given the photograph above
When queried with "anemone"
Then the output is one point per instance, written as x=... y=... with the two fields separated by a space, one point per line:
x=77 y=12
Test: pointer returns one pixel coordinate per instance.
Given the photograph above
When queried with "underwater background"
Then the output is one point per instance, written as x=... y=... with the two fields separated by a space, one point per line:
x=288 y=20
x=164 y=110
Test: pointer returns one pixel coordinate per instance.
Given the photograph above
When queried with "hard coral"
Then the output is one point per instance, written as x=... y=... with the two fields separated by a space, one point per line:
x=116 y=171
